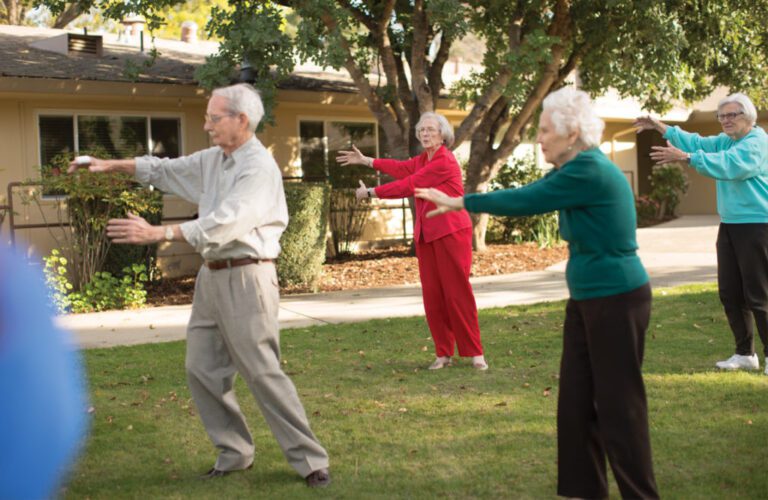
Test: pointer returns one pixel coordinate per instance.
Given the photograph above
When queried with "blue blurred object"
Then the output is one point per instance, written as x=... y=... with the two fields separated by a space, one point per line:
x=43 y=412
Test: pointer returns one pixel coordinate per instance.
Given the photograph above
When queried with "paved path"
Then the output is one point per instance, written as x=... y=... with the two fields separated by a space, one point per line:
x=678 y=252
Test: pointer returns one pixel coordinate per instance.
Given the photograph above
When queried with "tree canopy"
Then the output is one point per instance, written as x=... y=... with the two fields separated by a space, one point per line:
x=656 y=52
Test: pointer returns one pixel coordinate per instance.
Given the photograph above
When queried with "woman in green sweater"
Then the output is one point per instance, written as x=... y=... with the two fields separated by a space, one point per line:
x=602 y=409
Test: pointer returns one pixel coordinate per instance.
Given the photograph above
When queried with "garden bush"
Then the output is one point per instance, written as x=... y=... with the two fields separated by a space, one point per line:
x=103 y=292
x=668 y=185
x=347 y=216
x=120 y=257
x=303 y=242
x=542 y=229
x=86 y=202
x=647 y=211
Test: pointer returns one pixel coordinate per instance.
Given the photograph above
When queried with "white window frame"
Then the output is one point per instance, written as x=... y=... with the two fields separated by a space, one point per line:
x=74 y=114
x=325 y=121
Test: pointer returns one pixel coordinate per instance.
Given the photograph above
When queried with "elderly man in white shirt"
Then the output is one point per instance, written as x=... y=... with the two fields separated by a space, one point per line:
x=234 y=328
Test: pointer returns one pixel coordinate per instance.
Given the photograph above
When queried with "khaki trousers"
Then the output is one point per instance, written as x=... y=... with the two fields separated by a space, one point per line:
x=233 y=329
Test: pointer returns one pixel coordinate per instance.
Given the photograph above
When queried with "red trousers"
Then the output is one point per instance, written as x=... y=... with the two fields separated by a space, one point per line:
x=449 y=303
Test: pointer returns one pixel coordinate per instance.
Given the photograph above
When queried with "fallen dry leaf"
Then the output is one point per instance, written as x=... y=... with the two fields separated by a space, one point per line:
x=383 y=267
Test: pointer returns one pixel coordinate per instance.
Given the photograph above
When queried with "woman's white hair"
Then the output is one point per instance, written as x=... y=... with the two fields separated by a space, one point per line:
x=446 y=131
x=571 y=110
x=750 y=112
x=243 y=98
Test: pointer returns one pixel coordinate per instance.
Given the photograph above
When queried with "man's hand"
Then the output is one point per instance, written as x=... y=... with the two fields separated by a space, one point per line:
x=89 y=162
x=667 y=154
x=134 y=231
x=444 y=202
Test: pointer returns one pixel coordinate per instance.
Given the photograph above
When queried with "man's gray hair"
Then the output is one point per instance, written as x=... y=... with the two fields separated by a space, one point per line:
x=446 y=131
x=243 y=98
x=571 y=110
x=750 y=112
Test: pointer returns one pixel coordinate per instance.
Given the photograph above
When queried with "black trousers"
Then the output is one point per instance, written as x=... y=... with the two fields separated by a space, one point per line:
x=601 y=408
x=742 y=278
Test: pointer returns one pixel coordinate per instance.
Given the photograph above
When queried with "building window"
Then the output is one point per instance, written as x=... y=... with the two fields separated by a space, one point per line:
x=314 y=161
x=114 y=135
x=322 y=140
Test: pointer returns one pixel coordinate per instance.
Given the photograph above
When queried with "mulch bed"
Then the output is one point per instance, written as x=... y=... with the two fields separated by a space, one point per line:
x=383 y=267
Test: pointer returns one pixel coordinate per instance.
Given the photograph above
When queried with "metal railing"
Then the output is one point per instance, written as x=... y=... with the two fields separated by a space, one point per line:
x=4 y=210
x=7 y=211
x=11 y=214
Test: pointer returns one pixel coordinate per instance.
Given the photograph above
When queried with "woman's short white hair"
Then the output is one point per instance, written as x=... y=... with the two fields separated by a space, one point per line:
x=243 y=98
x=571 y=110
x=446 y=131
x=750 y=112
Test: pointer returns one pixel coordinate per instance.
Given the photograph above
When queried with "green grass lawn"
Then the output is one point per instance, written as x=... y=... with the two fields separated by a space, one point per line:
x=396 y=430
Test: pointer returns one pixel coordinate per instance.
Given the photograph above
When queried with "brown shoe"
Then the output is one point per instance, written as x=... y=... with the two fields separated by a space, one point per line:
x=215 y=473
x=318 y=479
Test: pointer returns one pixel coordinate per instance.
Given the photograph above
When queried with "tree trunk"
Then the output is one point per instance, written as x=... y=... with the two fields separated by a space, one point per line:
x=14 y=11
x=69 y=14
x=479 y=228
x=478 y=174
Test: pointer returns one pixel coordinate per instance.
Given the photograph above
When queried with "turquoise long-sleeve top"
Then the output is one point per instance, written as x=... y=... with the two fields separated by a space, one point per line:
x=739 y=167
x=597 y=219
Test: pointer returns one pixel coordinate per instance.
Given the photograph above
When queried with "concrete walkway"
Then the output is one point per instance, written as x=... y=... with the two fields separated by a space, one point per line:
x=678 y=252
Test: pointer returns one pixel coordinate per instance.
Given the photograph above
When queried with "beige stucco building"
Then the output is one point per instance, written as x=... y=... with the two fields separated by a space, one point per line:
x=63 y=91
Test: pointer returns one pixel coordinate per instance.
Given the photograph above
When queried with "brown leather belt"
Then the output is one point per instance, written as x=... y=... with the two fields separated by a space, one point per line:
x=215 y=265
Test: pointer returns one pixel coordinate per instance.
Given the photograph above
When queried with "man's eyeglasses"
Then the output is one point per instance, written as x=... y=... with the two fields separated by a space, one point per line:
x=728 y=116
x=216 y=118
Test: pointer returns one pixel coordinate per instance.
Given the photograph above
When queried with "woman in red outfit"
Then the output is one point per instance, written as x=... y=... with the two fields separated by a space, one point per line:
x=443 y=244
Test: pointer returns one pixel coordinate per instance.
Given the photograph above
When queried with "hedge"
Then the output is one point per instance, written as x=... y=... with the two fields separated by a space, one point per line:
x=303 y=242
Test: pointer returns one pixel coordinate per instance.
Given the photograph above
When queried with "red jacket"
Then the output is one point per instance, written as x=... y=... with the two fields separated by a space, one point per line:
x=441 y=172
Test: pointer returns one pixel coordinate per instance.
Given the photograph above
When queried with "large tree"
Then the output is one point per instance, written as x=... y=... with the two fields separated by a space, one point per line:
x=13 y=11
x=654 y=51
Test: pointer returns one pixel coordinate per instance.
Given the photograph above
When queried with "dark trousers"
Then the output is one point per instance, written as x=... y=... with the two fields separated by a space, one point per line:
x=601 y=408
x=742 y=278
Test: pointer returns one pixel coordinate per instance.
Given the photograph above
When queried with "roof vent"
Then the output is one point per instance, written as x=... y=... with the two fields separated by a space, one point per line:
x=84 y=44
x=72 y=44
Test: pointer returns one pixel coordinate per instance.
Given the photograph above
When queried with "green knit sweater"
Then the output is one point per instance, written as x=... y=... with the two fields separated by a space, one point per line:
x=597 y=219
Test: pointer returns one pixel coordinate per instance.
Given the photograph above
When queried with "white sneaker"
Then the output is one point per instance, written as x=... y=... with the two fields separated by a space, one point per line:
x=739 y=362
x=766 y=365
x=440 y=363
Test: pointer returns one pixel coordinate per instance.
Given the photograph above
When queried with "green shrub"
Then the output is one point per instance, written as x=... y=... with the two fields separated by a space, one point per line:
x=668 y=185
x=347 y=216
x=303 y=242
x=120 y=257
x=103 y=292
x=87 y=201
x=59 y=287
x=542 y=229
x=647 y=211
x=347 y=219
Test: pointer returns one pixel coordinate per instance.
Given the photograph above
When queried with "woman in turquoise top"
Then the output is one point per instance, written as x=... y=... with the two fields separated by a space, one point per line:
x=602 y=407
x=738 y=161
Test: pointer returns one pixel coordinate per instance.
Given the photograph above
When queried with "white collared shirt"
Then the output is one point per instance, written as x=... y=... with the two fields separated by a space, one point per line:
x=241 y=202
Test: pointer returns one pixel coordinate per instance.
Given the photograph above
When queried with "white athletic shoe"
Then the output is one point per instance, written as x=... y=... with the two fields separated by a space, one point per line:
x=739 y=362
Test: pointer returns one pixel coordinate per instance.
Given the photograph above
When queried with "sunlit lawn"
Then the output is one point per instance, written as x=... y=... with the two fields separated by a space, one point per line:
x=396 y=430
